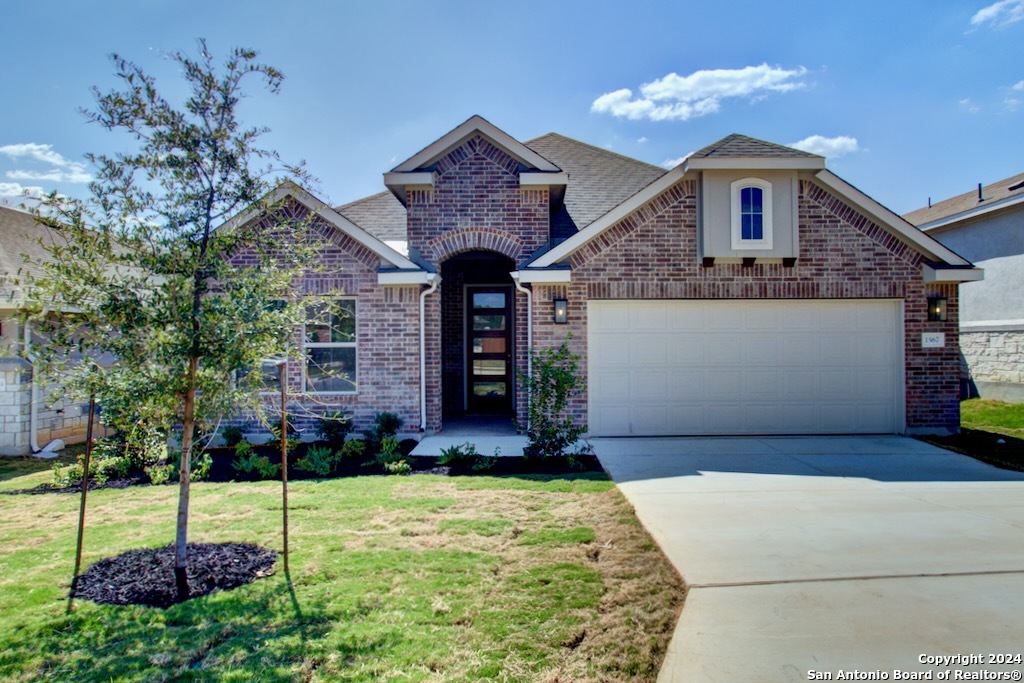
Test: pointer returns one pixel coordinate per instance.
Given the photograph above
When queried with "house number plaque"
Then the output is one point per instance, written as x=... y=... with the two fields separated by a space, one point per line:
x=933 y=340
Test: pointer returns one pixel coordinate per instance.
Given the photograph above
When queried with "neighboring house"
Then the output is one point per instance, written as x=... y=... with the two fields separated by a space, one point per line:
x=32 y=413
x=987 y=227
x=749 y=290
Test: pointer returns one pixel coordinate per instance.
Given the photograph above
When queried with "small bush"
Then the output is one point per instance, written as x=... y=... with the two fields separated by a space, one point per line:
x=388 y=452
x=248 y=462
x=66 y=475
x=386 y=424
x=200 y=465
x=320 y=460
x=353 y=449
x=551 y=431
x=333 y=427
x=159 y=474
x=232 y=435
x=398 y=467
x=465 y=457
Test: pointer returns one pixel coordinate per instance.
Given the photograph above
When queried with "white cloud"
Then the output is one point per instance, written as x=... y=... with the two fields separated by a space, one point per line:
x=19 y=190
x=1011 y=103
x=672 y=163
x=969 y=106
x=999 y=13
x=61 y=170
x=642 y=140
x=832 y=148
x=1019 y=85
x=680 y=98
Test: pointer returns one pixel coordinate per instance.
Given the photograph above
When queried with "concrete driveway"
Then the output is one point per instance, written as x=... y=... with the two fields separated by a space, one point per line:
x=809 y=556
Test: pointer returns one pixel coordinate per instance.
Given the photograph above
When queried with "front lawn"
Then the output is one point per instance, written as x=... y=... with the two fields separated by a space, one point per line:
x=420 y=578
x=990 y=431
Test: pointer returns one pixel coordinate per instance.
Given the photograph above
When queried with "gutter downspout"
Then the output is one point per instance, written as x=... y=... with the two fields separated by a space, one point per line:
x=33 y=437
x=529 y=339
x=433 y=279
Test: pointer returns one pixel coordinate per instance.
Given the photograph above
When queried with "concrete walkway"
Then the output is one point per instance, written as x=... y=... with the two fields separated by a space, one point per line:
x=807 y=555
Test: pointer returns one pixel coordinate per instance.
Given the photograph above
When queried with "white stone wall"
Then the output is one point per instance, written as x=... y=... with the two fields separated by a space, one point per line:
x=64 y=419
x=995 y=361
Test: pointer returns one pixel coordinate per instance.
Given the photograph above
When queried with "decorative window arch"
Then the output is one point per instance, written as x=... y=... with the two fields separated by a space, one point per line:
x=751 y=213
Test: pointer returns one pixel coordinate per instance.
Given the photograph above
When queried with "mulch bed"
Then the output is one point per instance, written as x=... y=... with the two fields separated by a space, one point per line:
x=139 y=479
x=1000 y=450
x=146 y=576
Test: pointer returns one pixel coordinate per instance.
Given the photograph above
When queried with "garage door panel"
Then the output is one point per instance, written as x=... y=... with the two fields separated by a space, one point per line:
x=744 y=367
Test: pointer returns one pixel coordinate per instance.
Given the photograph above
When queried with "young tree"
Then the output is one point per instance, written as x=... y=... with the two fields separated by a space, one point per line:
x=187 y=306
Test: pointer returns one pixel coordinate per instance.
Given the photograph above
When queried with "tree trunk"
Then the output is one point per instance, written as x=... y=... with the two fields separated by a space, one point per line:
x=184 y=484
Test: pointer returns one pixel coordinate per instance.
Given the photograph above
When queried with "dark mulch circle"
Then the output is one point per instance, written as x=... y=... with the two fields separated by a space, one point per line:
x=146 y=576
x=139 y=479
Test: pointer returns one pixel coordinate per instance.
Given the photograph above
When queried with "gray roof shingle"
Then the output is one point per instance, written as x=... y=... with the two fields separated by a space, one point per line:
x=599 y=180
x=736 y=145
x=381 y=215
x=19 y=234
x=1003 y=189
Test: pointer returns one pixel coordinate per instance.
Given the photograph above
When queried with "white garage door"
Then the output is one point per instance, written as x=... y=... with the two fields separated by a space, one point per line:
x=745 y=367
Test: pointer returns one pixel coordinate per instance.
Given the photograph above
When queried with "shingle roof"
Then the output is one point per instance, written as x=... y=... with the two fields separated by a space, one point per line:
x=736 y=145
x=19 y=234
x=1005 y=188
x=381 y=215
x=599 y=180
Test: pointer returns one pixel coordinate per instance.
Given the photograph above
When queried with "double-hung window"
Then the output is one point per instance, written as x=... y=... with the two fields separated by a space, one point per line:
x=751 y=212
x=330 y=345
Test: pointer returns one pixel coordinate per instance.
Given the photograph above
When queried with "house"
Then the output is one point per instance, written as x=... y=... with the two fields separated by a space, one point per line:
x=33 y=411
x=748 y=290
x=987 y=227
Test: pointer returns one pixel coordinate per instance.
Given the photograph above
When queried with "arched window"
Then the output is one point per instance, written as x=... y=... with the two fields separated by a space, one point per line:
x=751 y=214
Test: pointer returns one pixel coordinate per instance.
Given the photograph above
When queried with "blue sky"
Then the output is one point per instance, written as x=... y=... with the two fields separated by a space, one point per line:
x=909 y=99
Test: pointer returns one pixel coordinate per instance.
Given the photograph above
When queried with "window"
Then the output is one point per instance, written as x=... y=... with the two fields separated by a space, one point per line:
x=330 y=344
x=751 y=214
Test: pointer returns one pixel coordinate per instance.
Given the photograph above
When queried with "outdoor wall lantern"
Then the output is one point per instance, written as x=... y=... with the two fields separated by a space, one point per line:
x=936 y=308
x=561 y=311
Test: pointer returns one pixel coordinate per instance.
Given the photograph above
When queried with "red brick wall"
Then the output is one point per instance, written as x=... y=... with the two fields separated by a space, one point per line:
x=652 y=254
x=387 y=333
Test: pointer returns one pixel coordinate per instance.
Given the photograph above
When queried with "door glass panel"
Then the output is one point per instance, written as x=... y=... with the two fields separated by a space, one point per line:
x=488 y=345
x=489 y=389
x=488 y=322
x=488 y=367
x=488 y=300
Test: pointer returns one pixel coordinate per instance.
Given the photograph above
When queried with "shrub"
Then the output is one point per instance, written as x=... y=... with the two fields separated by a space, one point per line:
x=551 y=432
x=249 y=462
x=465 y=457
x=386 y=424
x=388 y=452
x=398 y=467
x=320 y=460
x=201 y=464
x=159 y=474
x=232 y=435
x=333 y=427
x=353 y=449
x=66 y=475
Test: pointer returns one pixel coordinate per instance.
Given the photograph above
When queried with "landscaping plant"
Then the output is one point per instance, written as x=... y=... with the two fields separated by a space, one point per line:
x=551 y=431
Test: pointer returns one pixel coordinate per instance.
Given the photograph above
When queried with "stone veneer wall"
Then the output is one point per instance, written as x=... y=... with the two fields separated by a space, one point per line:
x=63 y=419
x=994 y=362
x=652 y=254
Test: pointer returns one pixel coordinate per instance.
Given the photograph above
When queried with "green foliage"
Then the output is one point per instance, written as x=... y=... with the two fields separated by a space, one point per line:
x=159 y=474
x=320 y=460
x=199 y=471
x=275 y=436
x=66 y=475
x=464 y=456
x=333 y=427
x=398 y=467
x=353 y=449
x=388 y=452
x=384 y=425
x=248 y=462
x=552 y=432
x=106 y=461
x=232 y=435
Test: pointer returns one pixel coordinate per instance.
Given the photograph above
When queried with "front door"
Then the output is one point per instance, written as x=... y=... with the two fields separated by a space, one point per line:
x=489 y=370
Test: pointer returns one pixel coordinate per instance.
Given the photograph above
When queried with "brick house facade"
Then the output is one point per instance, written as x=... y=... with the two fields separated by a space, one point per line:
x=478 y=235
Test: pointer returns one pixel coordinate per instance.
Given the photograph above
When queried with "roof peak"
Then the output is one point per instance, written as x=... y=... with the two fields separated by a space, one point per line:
x=737 y=145
x=602 y=150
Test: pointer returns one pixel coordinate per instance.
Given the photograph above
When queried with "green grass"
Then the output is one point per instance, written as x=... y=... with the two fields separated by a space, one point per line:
x=993 y=416
x=418 y=578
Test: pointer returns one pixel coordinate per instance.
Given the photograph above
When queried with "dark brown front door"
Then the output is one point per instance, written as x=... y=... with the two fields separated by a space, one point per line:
x=489 y=349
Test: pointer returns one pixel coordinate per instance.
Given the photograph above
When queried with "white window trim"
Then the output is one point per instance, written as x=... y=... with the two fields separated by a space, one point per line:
x=738 y=243
x=331 y=345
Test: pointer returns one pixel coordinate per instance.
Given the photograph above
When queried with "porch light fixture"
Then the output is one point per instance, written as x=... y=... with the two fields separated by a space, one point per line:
x=561 y=311
x=936 y=309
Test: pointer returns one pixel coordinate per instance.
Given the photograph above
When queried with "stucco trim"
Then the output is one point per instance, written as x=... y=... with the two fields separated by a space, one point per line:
x=543 y=277
x=405 y=277
x=992 y=326
x=890 y=220
x=476 y=124
x=939 y=274
x=527 y=179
